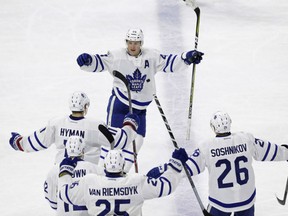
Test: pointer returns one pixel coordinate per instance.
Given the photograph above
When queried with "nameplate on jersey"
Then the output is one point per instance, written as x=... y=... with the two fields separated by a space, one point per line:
x=121 y=191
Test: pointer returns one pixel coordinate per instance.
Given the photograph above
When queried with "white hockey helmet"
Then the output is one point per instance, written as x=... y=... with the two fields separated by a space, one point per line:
x=79 y=101
x=135 y=34
x=114 y=161
x=75 y=146
x=220 y=122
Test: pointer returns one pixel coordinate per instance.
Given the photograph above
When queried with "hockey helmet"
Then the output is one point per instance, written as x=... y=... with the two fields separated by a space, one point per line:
x=114 y=161
x=220 y=122
x=79 y=101
x=75 y=146
x=135 y=34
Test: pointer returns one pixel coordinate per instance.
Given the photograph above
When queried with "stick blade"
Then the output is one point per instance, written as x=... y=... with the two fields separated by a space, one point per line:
x=121 y=77
x=197 y=11
x=107 y=134
x=281 y=202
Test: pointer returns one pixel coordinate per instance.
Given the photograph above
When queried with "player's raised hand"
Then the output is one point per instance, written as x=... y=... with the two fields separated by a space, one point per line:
x=192 y=57
x=179 y=157
x=156 y=172
x=84 y=59
x=132 y=120
x=14 y=141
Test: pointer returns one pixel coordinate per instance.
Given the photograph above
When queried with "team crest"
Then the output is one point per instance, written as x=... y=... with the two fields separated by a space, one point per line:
x=137 y=81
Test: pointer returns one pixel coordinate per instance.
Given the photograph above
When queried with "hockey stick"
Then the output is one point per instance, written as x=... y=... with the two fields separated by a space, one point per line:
x=176 y=146
x=107 y=134
x=125 y=81
x=282 y=202
x=197 y=11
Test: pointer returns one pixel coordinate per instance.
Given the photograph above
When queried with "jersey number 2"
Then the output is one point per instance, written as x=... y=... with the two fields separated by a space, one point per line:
x=238 y=172
x=107 y=205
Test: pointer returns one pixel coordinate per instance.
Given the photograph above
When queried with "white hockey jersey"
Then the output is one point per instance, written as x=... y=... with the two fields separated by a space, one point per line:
x=140 y=72
x=117 y=195
x=51 y=188
x=59 y=130
x=229 y=163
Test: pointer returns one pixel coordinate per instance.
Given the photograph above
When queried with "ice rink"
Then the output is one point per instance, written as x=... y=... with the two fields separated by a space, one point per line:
x=244 y=72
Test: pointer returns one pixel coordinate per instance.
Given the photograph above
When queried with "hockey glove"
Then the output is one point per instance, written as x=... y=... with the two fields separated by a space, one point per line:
x=192 y=57
x=156 y=172
x=15 y=141
x=179 y=158
x=84 y=59
x=132 y=120
x=67 y=166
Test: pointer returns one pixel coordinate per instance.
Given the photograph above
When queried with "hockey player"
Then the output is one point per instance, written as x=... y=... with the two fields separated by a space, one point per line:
x=58 y=130
x=228 y=158
x=75 y=148
x=115 y=193
x=139 y=65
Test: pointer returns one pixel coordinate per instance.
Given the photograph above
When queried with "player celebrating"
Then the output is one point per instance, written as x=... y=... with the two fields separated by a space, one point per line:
x=139 y=65
x=58 y=130
x=115 y=193
x=228 y=158
x=75 y=148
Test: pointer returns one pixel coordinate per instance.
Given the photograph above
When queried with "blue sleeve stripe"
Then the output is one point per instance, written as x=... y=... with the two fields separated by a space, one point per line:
x=102 y=157
x=100 y=61
x=38 y=141
x=96 y=66
x=112 y=130
x=41 y=131
x=125 y=142
x=275 y=152
x=196 y=165
x=268 y=149
x=29 y=140
x=128 y=152
x=66 y=195
x=164 y=184
x=127 y=159
x=103 y=149
x=172 y=63
x=190 y=170
x=167 y=63
x=50 y=201
x=119 y=140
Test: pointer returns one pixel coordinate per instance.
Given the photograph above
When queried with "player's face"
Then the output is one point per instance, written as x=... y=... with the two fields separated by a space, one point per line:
x=134 y=47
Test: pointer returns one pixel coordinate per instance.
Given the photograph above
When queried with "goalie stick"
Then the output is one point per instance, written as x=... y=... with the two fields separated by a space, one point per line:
x=176 y=146
x=282 y=202
x=125 y=81
x=197 y=11
x=107 y=134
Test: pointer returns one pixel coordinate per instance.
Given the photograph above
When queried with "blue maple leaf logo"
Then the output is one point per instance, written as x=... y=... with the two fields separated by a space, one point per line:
x=137 y=81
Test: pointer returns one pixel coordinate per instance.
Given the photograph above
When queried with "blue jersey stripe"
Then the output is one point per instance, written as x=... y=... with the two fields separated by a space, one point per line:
x=128 y=152
x=100 y=61
x=268 y=149
x=196 y=165
x=275 y=152
x=30 y=142
x=190 y=170
x=66 y=194
x=172 y=63
x=96 y=66
x=133 y=101
x=167 y=63
x=163 y=185
x=127 y=159
x=233 y=205
x=38 y=141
